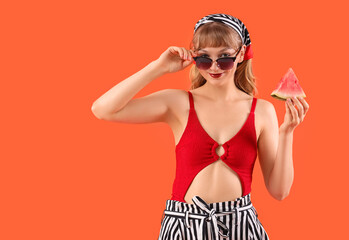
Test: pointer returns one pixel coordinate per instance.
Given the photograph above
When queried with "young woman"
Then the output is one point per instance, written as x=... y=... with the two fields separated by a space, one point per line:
x=218 y=126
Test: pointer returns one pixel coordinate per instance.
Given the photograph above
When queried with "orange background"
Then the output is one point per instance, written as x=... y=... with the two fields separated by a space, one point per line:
x=67 y=175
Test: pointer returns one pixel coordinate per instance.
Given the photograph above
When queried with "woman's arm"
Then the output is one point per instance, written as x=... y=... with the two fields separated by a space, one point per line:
x=275 y=146
x=275 y=154
x=117 y=103
x=282 y=173
x=118 y=96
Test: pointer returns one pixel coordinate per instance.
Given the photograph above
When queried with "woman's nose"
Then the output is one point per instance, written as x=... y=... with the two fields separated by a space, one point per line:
x=214 y=66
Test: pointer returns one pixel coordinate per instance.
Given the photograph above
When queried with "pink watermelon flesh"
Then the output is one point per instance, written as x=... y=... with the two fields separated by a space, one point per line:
x=288 y=87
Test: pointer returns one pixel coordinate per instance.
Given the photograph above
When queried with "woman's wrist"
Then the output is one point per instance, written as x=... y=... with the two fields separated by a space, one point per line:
x=159 y=68
x=284 y=129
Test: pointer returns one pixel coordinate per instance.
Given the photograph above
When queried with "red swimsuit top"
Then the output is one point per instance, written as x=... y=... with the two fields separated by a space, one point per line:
x=196 y=150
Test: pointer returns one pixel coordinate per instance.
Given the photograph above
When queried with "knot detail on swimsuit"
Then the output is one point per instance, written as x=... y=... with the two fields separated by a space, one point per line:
x=214 y=153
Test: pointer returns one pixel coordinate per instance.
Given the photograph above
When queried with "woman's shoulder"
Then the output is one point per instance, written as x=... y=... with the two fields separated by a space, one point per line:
x=263 y=105
x=176 y=99
x=265 y=112
x=175 y=95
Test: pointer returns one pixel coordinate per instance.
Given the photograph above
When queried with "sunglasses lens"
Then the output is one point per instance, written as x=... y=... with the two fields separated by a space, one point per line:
x=225 y=63
x=203 y=63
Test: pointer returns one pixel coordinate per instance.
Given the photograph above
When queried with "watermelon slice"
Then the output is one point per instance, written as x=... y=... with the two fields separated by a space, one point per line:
x=288 y=87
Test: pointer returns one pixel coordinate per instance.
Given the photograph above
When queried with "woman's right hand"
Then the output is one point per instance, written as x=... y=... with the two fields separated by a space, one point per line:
x=175 y=59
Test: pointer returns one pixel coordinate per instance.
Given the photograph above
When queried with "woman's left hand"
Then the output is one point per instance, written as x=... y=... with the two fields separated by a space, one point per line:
x=295 y=113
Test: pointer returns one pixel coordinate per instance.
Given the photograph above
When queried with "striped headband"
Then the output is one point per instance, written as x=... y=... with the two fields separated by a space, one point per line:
x=232 y=22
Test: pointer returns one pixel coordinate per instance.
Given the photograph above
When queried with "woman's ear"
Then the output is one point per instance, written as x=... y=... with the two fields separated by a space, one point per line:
x=242 y=53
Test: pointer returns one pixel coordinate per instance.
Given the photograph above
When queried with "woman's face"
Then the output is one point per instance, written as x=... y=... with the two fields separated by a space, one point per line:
x=219 y=52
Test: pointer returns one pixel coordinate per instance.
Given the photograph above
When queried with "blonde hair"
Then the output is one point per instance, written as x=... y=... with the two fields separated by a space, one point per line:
x=216 y=34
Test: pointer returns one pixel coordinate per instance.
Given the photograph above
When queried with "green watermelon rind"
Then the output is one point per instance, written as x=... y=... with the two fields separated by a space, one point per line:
x=279 y=97
x=284 y=97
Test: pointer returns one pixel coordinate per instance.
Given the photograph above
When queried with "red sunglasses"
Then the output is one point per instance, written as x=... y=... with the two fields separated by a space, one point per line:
x=224 y=63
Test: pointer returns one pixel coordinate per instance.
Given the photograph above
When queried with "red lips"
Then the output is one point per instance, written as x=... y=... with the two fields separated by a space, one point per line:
x=216 y=75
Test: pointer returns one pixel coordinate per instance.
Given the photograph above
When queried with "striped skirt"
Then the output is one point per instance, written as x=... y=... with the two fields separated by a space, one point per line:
x=229 y=220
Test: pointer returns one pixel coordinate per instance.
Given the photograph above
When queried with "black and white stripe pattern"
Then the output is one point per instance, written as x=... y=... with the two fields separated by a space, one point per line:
x=211 y=221
x=229 y=20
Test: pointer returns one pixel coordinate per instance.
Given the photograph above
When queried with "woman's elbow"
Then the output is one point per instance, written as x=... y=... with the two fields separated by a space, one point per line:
x=95 y=112
x=281 y=197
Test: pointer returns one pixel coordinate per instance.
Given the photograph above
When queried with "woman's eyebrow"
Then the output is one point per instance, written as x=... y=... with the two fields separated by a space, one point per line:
x=218 y=51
